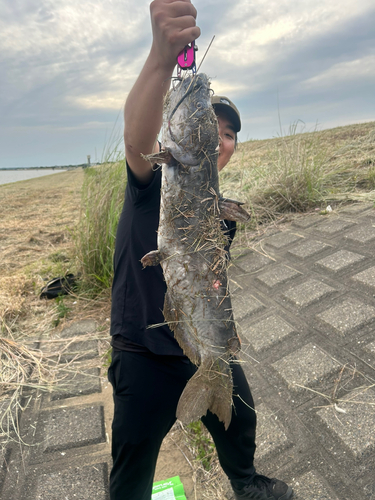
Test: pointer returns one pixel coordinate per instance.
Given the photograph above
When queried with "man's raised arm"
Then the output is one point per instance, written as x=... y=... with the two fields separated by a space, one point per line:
x=173 y=27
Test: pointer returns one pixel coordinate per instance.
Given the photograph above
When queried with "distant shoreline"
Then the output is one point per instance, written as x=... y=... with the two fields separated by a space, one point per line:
x=56 y=167
x=8 y=176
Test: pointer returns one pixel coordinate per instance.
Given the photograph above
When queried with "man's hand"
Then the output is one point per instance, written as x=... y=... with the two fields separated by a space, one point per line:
x=173 y=27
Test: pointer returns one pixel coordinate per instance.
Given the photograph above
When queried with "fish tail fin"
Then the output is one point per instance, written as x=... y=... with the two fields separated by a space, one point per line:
x=210 y=388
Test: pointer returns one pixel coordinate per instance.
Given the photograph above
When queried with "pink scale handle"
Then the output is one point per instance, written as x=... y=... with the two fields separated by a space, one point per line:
x=186 y=58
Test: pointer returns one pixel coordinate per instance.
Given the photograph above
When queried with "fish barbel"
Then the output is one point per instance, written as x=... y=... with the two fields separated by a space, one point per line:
x=191 y=249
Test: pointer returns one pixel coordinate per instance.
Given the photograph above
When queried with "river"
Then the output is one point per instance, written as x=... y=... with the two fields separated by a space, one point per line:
x=8 y=176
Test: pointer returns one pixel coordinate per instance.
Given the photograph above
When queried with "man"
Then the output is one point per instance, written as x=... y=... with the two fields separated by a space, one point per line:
x=148 y=370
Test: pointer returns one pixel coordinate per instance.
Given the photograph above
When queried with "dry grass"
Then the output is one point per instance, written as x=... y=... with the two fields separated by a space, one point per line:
x=342 y=392
x=303 y=171
x=210 y=481
x=37 y=219
x=21 y=368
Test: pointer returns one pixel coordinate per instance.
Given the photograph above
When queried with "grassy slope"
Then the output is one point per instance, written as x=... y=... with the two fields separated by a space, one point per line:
x=36 y=244
x=303 y=171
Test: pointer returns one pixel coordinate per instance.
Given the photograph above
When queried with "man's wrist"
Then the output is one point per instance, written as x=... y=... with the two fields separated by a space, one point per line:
x=160 y=62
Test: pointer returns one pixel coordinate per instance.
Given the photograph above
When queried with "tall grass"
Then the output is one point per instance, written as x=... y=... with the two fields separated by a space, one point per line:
x=102 y=199
x=286 y=175
x=300 y=171
x=293 y=176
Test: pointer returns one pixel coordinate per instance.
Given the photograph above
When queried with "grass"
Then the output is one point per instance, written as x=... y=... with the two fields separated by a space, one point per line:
x=62 y=310
x=201 y=444
x=289 y=174
x=302 y=171
x=102 y=198
x=21 y=367
x=34 y=237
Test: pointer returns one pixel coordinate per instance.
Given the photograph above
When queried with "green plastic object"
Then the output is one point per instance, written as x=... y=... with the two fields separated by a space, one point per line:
x=169 y=489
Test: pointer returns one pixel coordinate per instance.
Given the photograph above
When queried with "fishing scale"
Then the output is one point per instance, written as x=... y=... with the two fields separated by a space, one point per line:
x=186 y=59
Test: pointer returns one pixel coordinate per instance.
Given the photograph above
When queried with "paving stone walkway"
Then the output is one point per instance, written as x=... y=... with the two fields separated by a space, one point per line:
x=305 y=305
x=304 y=301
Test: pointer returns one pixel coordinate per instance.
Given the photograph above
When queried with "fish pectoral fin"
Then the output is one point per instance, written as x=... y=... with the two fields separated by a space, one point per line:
x=152 y=258
x=232 y=210
x=162 y=156
x=208 y=389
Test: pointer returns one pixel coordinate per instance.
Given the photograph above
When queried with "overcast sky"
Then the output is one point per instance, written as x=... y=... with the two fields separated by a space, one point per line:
x=66 y=67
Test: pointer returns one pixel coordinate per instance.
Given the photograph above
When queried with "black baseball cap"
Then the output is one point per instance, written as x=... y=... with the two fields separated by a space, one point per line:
x=222 y=103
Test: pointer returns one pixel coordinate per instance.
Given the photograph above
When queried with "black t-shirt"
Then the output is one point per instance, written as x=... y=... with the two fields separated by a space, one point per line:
x=137 y=293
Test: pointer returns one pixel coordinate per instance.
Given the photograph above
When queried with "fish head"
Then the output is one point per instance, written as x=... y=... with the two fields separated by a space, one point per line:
x=190 y=127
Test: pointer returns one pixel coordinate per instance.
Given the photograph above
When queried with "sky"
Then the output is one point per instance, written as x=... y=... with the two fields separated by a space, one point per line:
x=67 y=66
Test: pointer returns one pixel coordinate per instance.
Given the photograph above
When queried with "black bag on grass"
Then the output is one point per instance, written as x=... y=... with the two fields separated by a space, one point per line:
x=58 y=286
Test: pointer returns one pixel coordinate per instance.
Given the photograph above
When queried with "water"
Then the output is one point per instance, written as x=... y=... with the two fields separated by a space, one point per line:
x=7 y=176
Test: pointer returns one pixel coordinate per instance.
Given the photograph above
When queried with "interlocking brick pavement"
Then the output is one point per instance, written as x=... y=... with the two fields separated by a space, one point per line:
x=309 y=353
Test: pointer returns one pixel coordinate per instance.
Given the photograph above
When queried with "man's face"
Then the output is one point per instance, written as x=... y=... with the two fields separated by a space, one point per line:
x=227 y=140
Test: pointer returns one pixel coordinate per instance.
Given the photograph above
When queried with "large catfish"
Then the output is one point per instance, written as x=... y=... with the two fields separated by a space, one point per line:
x=191 y=249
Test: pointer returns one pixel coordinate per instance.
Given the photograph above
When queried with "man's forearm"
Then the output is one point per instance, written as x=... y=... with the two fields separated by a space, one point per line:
x=144 y=109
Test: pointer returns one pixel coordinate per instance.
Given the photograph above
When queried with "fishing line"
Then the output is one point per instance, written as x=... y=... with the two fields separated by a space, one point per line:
x=208 y=48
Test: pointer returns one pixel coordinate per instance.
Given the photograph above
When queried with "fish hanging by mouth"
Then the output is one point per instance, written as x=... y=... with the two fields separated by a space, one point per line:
x=192 y=248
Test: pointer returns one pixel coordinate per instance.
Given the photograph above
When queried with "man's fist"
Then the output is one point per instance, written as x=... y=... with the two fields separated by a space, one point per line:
x=173 y=27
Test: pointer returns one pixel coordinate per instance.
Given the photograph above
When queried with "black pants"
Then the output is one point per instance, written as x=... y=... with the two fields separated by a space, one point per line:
x=146 y=390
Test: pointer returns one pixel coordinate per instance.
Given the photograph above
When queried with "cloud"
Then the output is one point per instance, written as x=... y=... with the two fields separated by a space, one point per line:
x=226 y=87
x=106 y=101
x=347 y=71
x=256 y=35
x=72 y=47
